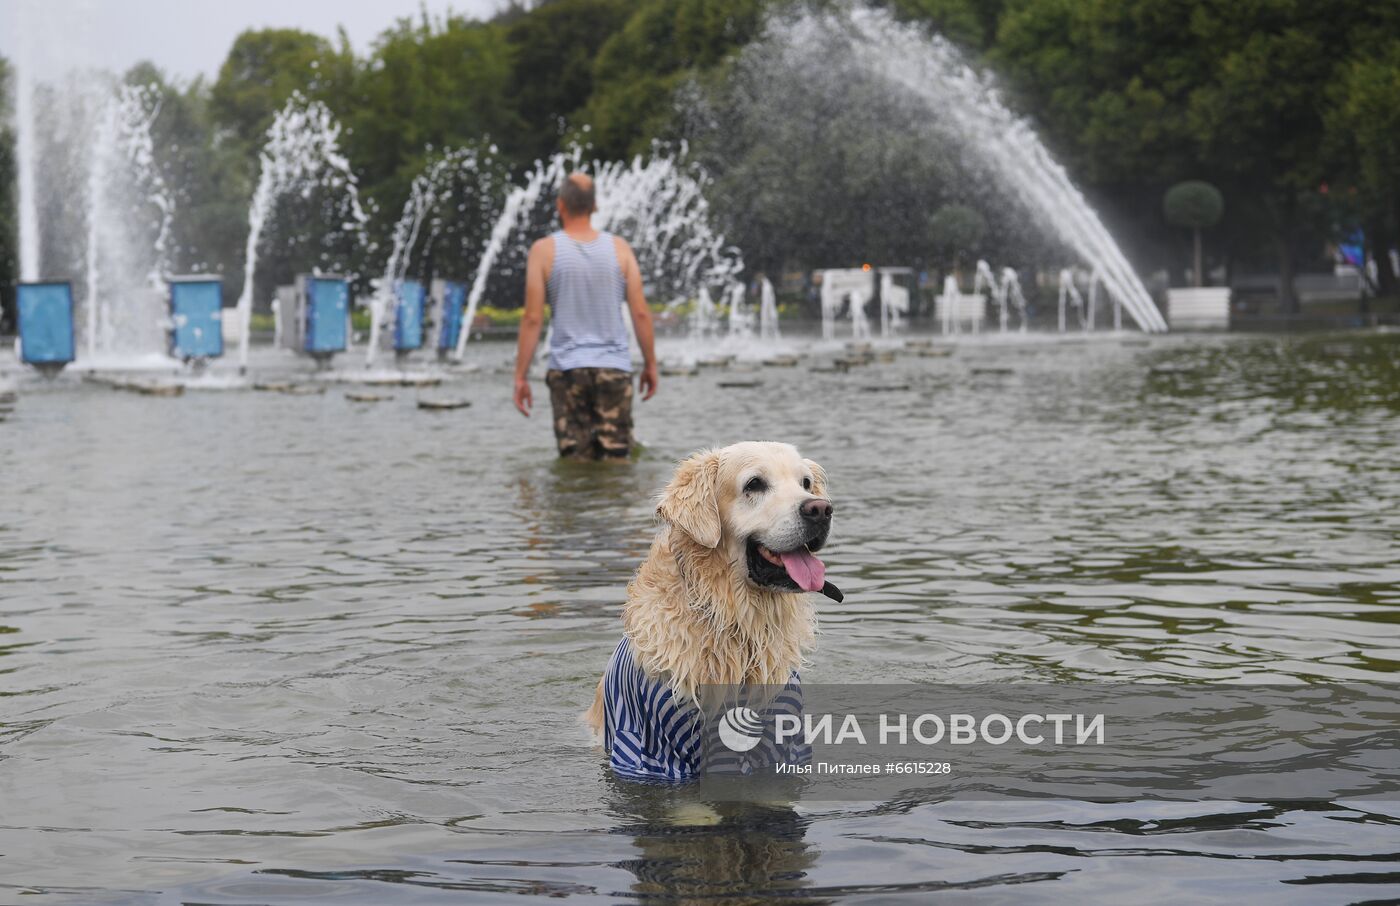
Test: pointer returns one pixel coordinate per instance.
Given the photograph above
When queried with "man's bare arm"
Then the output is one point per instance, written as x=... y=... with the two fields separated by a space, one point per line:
x=641 y=318
x=531 y=320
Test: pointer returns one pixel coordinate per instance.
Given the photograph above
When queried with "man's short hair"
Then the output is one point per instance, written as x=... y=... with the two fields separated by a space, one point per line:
x=578 y=199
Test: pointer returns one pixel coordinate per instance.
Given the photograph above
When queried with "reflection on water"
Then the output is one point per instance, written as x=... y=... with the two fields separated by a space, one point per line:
x=262 y=648
x=692 y=851
x=584 y=522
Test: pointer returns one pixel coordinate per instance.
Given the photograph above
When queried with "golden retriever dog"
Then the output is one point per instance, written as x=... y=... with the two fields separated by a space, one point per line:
x=721 y=599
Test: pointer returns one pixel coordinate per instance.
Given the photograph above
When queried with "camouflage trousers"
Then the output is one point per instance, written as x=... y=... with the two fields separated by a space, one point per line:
x=592 y=411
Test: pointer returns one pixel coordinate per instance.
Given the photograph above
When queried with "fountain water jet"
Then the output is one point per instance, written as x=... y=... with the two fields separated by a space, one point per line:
x=704 y=319
x=894 y=302
x=860 y=323
x=97 y=181
x=740 y=318
x=1070 y=293
x=106 y=209
x=950 y=307
x=25 y=154
x=658 y=204
x=428 y=192
x=967 y=108
x=1096 y=283
x=1007 y=289
x=386 y=299
x=302 y=153
x=768 y=311
x=841 y=285
x=123 y=267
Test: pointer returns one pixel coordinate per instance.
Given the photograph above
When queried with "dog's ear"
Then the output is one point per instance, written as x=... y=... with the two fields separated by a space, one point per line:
x=691 y=501
x=818 y=478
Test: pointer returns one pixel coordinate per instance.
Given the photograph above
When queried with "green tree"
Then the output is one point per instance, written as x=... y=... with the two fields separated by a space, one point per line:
x=1195 y=205
x=1107 y=84
x=1107 y=81
x=955 y=231
x=264 y=67
x=969 y=23
x=427 y=84
x=1258 y=118
x=551 y=70
x=1364 y=123
x=209 y=179
x=1142 y=94
x=663 y=45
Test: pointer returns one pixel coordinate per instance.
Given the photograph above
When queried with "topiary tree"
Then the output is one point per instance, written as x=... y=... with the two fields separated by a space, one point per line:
x=1197 y=205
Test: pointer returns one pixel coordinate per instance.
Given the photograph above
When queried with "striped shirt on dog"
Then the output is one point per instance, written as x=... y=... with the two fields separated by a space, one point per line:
x=651 y=734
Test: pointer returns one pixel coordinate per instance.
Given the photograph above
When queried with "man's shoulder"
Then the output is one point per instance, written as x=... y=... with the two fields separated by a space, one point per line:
x=623 y=248
x=542 y=251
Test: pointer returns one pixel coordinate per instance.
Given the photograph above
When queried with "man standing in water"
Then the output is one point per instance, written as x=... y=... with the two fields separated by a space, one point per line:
x=585 y=274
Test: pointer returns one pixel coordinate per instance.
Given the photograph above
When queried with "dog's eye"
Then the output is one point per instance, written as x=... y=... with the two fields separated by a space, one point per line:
x=806 y=484
x=755 y=486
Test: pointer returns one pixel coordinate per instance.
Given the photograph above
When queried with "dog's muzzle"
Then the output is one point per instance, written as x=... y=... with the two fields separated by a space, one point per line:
x=797 y=569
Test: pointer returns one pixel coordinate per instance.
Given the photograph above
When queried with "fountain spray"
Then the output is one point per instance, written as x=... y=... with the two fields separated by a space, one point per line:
x=302 y=153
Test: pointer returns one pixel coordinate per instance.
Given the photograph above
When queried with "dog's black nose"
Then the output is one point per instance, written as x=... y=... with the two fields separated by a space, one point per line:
x=815 y=510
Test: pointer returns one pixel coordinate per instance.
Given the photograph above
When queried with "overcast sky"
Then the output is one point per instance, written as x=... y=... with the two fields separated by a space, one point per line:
x=186 y=38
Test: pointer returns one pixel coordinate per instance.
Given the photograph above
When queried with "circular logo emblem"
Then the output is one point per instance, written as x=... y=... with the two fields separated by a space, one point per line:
x=740 y=729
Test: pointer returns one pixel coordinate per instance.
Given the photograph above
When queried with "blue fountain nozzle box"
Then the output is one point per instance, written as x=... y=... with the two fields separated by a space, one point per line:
x=327 y=323
x=408 y=322
x=449 y=300
x=46 y=323
x=196 y=317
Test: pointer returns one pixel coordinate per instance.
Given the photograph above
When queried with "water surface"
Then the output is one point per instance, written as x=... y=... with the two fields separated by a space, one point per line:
x=264 y=648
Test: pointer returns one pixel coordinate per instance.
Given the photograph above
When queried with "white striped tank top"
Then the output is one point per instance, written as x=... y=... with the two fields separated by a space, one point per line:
x=650 y=734
x=586 y=291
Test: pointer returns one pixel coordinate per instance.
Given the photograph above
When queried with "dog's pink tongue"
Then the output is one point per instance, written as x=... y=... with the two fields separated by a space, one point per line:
x=807 y=571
